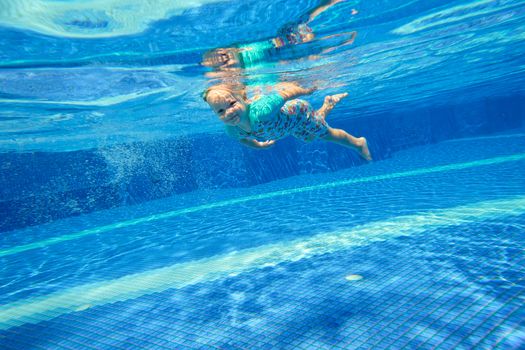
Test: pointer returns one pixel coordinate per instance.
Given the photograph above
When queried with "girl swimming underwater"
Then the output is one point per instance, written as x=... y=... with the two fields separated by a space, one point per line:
x=259 y=122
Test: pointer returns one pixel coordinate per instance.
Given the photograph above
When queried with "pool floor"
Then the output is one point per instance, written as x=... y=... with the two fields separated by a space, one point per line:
x=421 y=251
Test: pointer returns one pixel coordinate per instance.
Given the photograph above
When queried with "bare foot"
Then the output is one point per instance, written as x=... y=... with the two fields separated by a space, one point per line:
x=363 y=149
x=329 y=104
x=334 y=99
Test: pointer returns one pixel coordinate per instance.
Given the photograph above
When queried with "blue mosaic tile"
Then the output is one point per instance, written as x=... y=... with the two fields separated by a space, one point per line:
x=445 y=287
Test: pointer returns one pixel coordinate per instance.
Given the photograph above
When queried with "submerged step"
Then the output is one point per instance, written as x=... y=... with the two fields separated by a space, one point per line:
x=34 y=310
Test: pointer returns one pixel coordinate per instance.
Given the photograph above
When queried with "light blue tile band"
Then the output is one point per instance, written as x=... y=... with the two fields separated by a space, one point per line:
x=175 y=213
x=79 y=298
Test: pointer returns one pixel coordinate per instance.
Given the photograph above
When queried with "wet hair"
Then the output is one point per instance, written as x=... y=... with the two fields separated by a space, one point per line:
x=237 y=90
x=210 y=58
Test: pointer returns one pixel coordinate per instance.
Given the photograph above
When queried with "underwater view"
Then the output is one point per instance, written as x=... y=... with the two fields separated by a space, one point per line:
x=262 y=174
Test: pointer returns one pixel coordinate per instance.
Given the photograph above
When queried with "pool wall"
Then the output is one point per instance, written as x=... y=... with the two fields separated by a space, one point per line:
x=39 y=187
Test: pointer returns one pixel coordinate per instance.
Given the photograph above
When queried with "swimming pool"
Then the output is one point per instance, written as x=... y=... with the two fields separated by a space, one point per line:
x=130 y=220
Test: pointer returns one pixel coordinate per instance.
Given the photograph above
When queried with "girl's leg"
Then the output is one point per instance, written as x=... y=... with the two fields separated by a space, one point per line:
x=323 y=6
x=343 y=138
x=349 y=41
x=340 y=136
x=329 y=104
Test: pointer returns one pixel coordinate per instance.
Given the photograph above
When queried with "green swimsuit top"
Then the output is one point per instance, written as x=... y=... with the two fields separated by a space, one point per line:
x=260 y=110
x=255 y=56
x=254 y=53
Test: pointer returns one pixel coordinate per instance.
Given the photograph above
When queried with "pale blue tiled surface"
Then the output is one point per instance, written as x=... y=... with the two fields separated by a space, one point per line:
x=446 y=287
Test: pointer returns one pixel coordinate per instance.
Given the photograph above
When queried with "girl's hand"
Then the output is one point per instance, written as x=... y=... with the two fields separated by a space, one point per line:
x=266 y=144
x=257 y=144
x=289 y=90
x=311 y=90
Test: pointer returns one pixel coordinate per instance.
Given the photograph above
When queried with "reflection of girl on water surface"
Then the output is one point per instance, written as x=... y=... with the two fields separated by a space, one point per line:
x=248 y=55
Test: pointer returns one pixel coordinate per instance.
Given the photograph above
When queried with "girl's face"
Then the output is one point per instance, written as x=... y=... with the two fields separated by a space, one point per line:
x=227 y=106
x=219 y=58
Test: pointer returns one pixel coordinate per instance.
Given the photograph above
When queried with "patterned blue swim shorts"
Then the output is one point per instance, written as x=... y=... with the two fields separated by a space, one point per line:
x=297 y=118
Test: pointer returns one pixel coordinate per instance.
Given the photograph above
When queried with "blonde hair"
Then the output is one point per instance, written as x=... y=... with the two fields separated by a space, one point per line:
x=209 y=58
x=237 y=90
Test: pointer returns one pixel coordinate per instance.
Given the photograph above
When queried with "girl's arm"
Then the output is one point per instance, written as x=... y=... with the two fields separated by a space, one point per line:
x=257 y=144
x=289 y=91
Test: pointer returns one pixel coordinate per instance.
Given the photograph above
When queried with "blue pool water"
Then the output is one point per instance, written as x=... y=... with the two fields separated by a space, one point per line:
x=129 y=220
